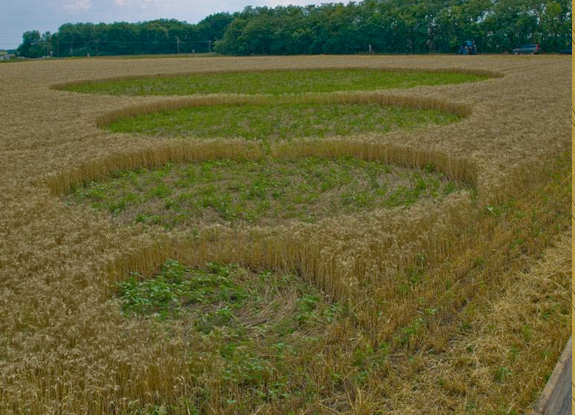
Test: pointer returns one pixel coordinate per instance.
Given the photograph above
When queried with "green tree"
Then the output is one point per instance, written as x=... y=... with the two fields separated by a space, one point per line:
x=382 y=26
x=154 y=38
x=33 y=45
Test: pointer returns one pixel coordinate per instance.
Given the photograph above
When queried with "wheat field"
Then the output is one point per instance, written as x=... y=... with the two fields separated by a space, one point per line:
x=493 y=262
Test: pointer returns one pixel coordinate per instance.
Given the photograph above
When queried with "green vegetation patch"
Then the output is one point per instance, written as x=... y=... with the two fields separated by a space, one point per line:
x=247 y=330
x=221 y=296
x=273 y=82
x=280 y=121
x=266 y=191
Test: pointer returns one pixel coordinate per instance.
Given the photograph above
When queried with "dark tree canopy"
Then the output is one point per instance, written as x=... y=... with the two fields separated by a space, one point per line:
x=121 y=38
x=399 y=26
x=380 y=26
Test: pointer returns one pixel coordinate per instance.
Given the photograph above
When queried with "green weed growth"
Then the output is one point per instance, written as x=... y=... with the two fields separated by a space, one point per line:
x=265 y=191
x=273 y=82
x=254 y=325
x=280 y=121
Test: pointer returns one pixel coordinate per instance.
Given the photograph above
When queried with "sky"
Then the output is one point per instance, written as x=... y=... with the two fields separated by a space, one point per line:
x=19 y=16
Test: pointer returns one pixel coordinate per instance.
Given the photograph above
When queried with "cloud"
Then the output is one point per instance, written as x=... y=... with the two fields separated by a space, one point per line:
x=143 y=4
x=77 y=6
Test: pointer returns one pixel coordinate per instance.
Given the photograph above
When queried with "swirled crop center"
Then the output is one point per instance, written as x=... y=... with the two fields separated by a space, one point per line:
x=264 y=192
x=242 y=326
x=273 y=82
x=282 y=120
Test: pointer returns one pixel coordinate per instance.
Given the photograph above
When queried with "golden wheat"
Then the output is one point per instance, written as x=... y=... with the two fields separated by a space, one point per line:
x=65 y=349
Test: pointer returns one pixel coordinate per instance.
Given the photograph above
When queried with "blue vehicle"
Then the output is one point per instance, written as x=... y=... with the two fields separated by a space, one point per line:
x=468 y=48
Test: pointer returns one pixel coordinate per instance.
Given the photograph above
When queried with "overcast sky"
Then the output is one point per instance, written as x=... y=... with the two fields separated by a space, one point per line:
x=19 y=16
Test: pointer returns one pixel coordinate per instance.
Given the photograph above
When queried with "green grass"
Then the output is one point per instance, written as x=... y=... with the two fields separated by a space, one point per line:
x=244 y=328
x=274 y=82
x=280 y=121
x=219 y=295
x=266 y=191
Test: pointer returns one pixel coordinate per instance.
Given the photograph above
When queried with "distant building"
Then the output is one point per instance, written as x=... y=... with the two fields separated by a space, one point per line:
x=6 y=56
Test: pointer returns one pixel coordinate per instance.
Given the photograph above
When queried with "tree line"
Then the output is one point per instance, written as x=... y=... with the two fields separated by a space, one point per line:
x=161 y=36
x=377 y=26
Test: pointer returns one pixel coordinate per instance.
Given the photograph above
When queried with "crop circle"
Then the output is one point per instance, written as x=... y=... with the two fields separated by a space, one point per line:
x=274 y=82
x=268 y=191
x=244 y=326
x=280 y=120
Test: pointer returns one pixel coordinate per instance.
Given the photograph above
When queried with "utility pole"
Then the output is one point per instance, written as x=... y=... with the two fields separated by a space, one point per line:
x=209 y=46
x=178 y=43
